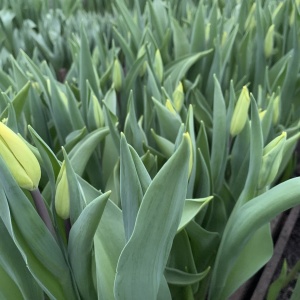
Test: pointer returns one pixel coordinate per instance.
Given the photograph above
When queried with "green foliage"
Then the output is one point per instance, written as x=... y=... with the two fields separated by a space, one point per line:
x=167 y=200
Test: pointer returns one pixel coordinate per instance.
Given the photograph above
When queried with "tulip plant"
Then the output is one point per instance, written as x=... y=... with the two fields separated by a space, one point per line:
x=144 y=149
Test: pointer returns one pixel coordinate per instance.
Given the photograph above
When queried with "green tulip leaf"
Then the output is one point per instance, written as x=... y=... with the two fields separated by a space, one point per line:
x=36 y=244
x=80 y=245
x=191 y=209
x=142 y=261
x=81 y=153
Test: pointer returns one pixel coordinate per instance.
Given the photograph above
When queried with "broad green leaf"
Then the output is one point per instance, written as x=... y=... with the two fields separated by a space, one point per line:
x=18 y=102
x=132 y=74
x=204 y=245
x=82 y=152
x=133 y=132
x=8 y=288
x=242 y=269
x=38 y=76
x=60 y=113
x=81 y=244
x=178 y=277
x=191 y=209
x=131 y=192
x=77 y=201
x=14 y=269
x=128 y=21
x=124 y=45
x=142 y=261
x=178 y=69
x=36 y=244
x=165 y=146
x=73 y=139
x=50 y=162
x=198 y=30
x=219 y=138
x=256 y=151
x=19 y=75
x=169 y=122
x=181 y=43
x=86 y=72
x=244 y=223
x=109 y=241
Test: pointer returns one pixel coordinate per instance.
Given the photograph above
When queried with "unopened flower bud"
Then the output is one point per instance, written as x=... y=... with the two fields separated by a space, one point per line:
x=250 y=21
x=117 y=75
x=170 y=107
x=95 y=113
x=62 y=196
x=141 y=53
x=271 y=160
x=269 y=41
x=158 y=66
x=292 y=16
x=262 y=114
x=207 y=32
x=19 y=159
x=240 y=113
x=276 y=109
x=178 y=97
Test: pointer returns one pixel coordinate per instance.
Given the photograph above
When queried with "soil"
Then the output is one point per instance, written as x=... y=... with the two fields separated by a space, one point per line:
x=292 y=250
x=292 y=256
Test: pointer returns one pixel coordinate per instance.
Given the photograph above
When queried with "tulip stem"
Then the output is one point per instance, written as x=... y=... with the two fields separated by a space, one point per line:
x=42 y=210
x=67 y=227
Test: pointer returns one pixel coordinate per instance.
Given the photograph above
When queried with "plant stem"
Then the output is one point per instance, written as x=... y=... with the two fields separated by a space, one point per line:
x=42 y=210
x=67 y=227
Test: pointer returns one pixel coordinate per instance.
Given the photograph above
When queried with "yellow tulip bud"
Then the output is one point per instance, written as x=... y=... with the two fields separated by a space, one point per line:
x=95 y=113
x=178 y=97
x=276 y=109
x=170 y=107
x=292 y=16
x=141 y=53
x=262 y=114
x=250 y=21
x=158 y=66
x=19 y=159
x=62 y=197
x=117 y=75
x=269 y=41
x=207 y=32
x=272 y=156
x=224 y=38
x=240 y=113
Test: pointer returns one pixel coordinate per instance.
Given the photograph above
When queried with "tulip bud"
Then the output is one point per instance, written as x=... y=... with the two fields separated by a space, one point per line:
x=62 y=197
x=262 y=114
x=178 y=97
x=95 y=113
x=250 y=21
x=269 y=41
x=292 y=16
x=240 y=113
x=224 y=38
x=141 y=53
x=158 y=66
x=19 y=159
x=272 y=156
x=207 y=32
x=117 y=75
x=276 y=109
x=170 y=107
